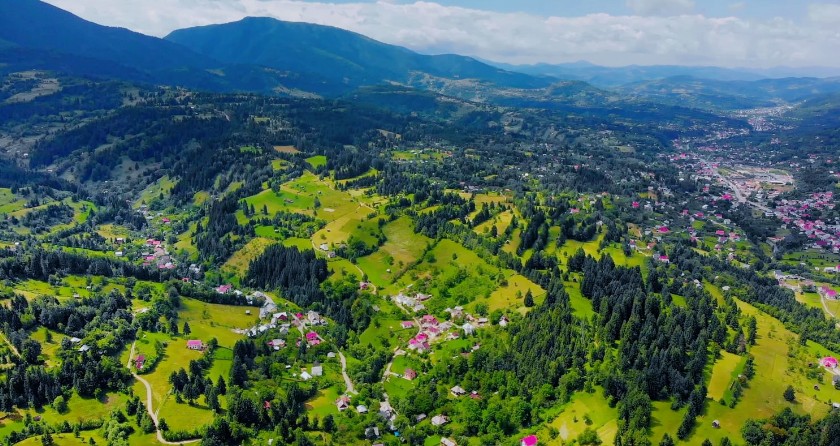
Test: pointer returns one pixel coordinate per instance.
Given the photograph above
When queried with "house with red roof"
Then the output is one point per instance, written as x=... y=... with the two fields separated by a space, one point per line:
x=530 y=440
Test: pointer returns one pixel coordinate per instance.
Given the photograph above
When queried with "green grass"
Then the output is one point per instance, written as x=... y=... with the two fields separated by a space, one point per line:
x=154 y=190
x=401 y=249
x=505 y=297
x=238 y=263
x=9 y=202
x=69 y=439
x=216 y=321
x=604 y=420
x=398 y=387
x=779 y=362
x=722 y=377
x=317 y=161
x=78 y=409
x=324 y=402
x=581 y=306
x=813 y=300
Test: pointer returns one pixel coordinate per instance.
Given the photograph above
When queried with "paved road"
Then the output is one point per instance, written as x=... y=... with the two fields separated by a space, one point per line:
x=739 y=196
x=149 y=404
x=347 y=381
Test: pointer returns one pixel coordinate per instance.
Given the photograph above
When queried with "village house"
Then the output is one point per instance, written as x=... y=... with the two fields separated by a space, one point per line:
x=312 y=338
x=139 y=361
x=277 y=344
x=194 y=344
x=468 y=328
x=439 y=420
x=407 y=324
x=409 y=374
x=448 y=442
x=827 y=293
x=343 y=402
x=530 y=440
x=304 y=375
x=385 y=410
x=458 y=391
x=361 y=409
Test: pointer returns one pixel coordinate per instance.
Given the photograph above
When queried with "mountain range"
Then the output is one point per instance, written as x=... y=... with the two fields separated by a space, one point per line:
x=265 y=55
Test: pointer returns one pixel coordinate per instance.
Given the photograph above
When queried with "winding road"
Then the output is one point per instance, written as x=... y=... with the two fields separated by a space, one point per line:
x=152 y=414
x=347 y=381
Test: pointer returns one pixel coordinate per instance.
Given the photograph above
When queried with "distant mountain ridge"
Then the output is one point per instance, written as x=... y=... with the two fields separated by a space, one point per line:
x=343 y=59
x=610 y=77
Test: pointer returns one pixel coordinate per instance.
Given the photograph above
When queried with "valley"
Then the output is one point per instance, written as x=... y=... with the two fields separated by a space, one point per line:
x=363 y=245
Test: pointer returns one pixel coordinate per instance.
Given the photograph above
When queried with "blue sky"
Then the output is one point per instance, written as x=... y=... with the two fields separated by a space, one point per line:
x=731 y=33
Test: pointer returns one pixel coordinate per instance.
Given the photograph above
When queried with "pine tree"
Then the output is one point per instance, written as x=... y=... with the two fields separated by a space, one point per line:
x=529 y=299
x=790 y=394
x=221 y=387
x=186 y=330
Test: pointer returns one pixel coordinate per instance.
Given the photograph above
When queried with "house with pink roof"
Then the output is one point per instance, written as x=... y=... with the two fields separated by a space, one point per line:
x=194 y=344
x=720 y=232
x=407 y=324
x=828 y=293
x=530 y=440
x=830 y=362
x=312 y=338
x=428 y=320
x=224 y=289
x=635 y=205
x=664 y=230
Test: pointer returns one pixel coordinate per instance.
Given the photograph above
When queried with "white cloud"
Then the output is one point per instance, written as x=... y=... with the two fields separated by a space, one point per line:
x=690 y=39
x=825 y=13
x=661 y=7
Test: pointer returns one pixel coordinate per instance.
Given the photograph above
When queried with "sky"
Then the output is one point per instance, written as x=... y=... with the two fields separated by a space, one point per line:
x=728 y=33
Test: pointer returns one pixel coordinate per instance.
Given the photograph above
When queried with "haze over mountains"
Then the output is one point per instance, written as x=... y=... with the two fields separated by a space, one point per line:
x=271 y=56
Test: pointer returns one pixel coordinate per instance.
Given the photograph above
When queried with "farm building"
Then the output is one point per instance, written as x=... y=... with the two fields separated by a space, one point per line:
x=317 y=369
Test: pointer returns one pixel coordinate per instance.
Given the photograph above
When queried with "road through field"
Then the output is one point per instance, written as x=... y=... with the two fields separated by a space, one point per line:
x=149 y=404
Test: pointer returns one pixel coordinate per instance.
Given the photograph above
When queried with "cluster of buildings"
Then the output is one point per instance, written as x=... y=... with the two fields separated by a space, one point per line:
x=433 y=329
x=796 y=215
x=415 y=303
